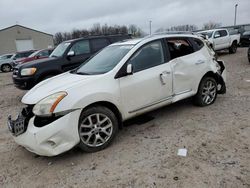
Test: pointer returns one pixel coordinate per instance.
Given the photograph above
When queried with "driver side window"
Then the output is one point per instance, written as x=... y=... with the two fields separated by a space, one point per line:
x=148 y=56
x=217 y=34
x=81 y=47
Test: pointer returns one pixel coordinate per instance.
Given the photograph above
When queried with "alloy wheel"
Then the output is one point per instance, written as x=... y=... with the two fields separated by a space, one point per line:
x=6 y=68
x=95 y=130
x=209 y=92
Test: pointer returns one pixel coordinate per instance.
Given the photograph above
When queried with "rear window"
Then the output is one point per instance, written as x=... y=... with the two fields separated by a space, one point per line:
x=223 y=33
x=198 y=43
x=179 y=47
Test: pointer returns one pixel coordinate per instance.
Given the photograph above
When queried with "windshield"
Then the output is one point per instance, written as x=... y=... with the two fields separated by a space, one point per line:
x=207 y=33
x=34 y=54
x=105 y=60
x=5 y=57
x=60 y=49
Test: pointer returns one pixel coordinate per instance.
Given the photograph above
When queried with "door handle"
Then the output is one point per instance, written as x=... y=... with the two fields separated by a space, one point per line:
x=166 y=72
x=199 y=62
x=164 y=77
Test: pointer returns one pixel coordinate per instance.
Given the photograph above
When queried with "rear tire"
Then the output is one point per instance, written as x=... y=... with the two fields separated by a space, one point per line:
x=207 y=92
x=5 y=68
x=97 y=128
x=233 y=48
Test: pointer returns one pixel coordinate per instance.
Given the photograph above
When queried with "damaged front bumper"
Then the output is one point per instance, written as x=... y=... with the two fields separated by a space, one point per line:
x=52 y=139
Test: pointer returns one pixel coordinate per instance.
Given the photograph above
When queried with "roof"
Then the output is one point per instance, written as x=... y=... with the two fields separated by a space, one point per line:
x=153 y=37
x=25 y=28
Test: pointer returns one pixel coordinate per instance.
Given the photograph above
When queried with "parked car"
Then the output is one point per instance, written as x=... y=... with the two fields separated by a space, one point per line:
x=245 y=39
x=87 y=105
x=8 y=64
x=40 y=54
x=66 y=56
x=5 y=56
x=220 y=39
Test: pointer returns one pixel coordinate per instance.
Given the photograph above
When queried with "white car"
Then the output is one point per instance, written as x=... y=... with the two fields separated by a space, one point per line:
x=220 y=39
x=86 y=107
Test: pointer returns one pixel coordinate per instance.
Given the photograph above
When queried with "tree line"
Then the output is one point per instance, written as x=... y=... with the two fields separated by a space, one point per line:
x=190 y=27
x=97 y=30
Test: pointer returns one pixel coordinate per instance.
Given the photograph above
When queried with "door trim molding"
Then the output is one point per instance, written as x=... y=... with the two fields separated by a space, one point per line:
x=151 y=104
x=160 y=101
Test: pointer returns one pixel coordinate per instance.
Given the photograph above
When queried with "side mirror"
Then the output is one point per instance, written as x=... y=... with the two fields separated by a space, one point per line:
x=71 y=54
x=38 y=56
x=129 y=69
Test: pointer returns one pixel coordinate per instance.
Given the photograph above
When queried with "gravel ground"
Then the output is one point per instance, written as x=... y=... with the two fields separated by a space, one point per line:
x=144 y=154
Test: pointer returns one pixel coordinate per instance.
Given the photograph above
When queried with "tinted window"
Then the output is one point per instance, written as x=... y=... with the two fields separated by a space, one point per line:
x=60 y=49
x=199 y=44
x=21 y=55
x=117 y=38
x=44 y=53
x=148 y=56
x=179 y=47
x=223 y=33
x=81 y=47
x=98 y=44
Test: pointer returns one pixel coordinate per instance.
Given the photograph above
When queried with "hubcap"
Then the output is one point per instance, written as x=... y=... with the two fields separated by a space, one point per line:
x=6 y=68
x=209 y=92
x=95 y=130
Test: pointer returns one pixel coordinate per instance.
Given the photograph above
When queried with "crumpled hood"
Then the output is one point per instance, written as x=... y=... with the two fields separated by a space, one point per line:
x=62 y=82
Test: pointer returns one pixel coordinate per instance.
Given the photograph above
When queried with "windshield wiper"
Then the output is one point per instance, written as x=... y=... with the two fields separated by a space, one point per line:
x=54 y=56
x=82 y=73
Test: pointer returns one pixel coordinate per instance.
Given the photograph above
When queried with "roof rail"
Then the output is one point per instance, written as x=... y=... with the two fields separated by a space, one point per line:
x=174 y=32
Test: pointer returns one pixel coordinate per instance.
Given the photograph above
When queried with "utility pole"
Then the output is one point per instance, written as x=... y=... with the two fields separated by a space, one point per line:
x=235 y=13
x=150 y=27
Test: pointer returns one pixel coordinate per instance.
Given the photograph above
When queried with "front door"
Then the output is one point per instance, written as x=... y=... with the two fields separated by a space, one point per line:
x=151 y=81
x=81 y=51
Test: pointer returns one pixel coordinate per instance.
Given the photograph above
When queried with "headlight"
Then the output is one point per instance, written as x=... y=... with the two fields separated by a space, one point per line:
x=28 y=71
x=46 y=106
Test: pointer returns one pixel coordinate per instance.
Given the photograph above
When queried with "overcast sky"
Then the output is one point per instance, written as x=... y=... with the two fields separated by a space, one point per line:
x=60 y=15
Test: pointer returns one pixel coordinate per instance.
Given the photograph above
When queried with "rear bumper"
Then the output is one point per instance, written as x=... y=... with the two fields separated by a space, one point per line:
x=53 y=139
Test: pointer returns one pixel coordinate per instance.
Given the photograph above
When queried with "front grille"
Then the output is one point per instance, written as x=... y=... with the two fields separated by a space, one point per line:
x=15 y=71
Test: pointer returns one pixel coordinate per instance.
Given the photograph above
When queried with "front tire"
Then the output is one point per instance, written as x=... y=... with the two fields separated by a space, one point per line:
x=5 y=68
x=207 y=92
x=97 y=128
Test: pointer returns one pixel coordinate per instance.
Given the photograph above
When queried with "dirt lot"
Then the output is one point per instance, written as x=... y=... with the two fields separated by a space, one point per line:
x=144 y=154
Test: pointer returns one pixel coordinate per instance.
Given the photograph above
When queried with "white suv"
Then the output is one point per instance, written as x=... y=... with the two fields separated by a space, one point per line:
x=86 y=106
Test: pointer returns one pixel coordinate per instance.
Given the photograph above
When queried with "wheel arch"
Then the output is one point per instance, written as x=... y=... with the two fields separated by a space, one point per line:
x=110 y=106
x=217 y=78
x=6 y=64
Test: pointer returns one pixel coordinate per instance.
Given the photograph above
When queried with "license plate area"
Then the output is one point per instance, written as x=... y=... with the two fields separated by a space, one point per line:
x=19 y=125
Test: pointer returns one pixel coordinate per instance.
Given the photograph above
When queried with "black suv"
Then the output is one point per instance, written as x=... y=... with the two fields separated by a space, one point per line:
x=66 y=56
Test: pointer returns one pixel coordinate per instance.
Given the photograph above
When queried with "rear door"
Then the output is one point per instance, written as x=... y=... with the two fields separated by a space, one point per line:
x=186 y=63
x=82 y=52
